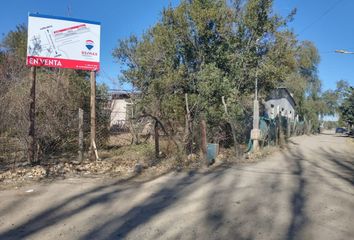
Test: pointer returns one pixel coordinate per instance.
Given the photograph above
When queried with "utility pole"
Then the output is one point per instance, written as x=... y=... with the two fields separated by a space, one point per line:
x=255 y=132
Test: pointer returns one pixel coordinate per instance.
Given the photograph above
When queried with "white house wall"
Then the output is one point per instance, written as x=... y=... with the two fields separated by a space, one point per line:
x=280 y=104
x=118 y=111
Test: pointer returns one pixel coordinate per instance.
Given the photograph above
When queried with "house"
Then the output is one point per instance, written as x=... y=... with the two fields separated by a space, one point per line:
x=120 y=105
x=280 y=102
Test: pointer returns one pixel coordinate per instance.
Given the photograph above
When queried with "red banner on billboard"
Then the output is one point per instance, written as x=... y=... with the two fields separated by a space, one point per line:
x=62 y=63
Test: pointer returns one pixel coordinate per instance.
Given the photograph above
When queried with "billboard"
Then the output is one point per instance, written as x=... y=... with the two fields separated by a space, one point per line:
x=63 y=42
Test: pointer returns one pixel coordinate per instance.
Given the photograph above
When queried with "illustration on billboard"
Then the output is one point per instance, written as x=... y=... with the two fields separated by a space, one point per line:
x=63 y=42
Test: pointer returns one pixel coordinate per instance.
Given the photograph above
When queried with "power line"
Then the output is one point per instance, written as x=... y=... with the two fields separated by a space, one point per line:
x=321 y=16
x=107 y=76
x=327 y=52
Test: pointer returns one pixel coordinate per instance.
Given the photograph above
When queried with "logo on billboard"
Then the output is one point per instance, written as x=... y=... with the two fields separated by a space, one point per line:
x=89 y=44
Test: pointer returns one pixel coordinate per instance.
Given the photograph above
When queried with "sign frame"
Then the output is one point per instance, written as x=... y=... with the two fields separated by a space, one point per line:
x=55 y=42
x=63 y=42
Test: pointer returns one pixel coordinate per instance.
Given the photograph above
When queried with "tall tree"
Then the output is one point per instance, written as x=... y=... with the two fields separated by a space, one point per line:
x=204 y=50
x=347 y=108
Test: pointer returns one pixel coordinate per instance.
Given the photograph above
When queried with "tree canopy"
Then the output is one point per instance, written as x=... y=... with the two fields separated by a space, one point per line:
x=207 y=49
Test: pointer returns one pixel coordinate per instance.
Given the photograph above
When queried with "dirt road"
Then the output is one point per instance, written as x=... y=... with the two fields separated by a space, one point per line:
x=303 y=192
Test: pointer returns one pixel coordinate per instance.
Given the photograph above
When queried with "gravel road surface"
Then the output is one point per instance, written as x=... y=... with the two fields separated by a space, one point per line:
x=304 y=191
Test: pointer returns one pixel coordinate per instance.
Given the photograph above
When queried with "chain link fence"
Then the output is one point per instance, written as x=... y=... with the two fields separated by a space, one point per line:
x=70 y=140
x=278 y=130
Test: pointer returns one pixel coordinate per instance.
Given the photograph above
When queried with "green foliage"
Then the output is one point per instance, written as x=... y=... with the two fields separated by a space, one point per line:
x=330 y=99
x=300 y=61
x=338 y=101
x=347 y=107
x=15 y=42
x=209 y=49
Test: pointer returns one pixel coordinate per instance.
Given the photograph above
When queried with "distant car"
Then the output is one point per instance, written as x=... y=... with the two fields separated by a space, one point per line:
x=341 y=130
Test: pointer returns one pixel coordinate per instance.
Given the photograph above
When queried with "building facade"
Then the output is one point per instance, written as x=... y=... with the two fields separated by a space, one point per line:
x=120 y=105
x=280 y=102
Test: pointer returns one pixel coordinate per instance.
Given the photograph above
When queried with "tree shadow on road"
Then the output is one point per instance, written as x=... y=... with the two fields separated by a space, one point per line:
x=238 y=202
x=298 y=217
x=58 y=212
x=115 y=228
x=319 y=165
x=339 y=165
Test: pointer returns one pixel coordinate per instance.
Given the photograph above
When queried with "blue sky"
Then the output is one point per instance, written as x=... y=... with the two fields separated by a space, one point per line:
x=328 y=23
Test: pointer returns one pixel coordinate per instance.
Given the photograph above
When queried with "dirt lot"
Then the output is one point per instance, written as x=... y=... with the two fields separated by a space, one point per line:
x=304 y=191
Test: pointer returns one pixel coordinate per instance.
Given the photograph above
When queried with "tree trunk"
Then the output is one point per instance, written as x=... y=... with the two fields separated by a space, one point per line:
x=132 y=128
x=133 y=132
x=233 y=130
x=188 y=140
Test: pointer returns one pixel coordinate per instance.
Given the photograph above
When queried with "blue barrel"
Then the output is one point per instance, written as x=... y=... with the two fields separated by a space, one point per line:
x=212 y=152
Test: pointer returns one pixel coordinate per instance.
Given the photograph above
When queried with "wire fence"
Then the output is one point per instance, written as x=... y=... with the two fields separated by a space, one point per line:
x=68 y=141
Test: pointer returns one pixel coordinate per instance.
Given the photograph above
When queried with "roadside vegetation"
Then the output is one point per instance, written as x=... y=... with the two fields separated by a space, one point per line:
x=197 y=64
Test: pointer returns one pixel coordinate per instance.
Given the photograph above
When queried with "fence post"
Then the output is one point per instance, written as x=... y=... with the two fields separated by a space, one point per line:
x=204 y=139
x=281 y=131
x=276 y=131
x=287 y=128
x=81 y=134
x=157 y=141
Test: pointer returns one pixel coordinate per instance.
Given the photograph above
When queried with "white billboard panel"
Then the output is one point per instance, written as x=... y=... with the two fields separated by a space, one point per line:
x=63 y=42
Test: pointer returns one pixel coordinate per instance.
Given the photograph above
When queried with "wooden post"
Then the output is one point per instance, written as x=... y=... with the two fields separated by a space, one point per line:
x=281 y=132
x=204 y=140
x=288 y=128
x=93 y=115
x=32 y=117
x=157 y=141
x=277 y=130
x=81 y=134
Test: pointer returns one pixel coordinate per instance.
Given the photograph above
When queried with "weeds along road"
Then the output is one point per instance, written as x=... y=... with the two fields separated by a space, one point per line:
x=303 y=192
